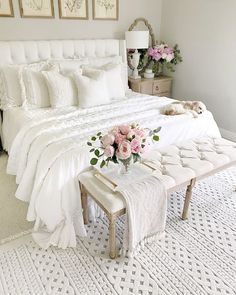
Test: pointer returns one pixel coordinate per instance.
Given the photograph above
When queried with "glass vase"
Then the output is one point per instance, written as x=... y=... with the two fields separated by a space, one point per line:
x=125 y=165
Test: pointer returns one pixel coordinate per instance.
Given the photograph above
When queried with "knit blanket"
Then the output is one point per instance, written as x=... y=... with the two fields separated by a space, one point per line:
x=146 y=207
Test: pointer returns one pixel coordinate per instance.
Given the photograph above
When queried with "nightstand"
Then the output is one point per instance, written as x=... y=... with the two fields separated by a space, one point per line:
x=159 y=86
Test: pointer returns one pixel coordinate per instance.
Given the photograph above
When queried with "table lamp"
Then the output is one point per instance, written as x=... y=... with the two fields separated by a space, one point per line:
x=136 y=40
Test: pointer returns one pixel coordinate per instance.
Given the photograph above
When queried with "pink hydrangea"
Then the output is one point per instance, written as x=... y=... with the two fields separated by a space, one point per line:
x=124 y=150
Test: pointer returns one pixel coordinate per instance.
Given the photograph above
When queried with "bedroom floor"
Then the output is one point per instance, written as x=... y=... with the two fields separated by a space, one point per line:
x=12 y=211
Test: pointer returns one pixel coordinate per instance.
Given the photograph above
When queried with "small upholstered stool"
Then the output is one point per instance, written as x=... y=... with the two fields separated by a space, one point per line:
x=177 y=165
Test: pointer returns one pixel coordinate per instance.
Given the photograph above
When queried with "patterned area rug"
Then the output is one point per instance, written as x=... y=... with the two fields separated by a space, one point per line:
x=195 y=257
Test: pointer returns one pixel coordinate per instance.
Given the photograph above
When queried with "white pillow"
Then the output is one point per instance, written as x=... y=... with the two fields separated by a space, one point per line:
x=33 y=85
x=10 y=90
x=92 y=91
x=113 y=74
x=116 y=59
x=69 y=65
x=62 y=89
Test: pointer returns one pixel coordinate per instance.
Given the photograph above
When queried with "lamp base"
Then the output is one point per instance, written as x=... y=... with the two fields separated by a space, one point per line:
x=135 y=77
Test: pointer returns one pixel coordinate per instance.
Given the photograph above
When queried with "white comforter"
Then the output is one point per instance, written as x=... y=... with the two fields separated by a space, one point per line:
x=48 y=154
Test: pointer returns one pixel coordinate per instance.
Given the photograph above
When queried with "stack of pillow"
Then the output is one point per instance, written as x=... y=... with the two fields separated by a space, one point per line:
x=59 y=83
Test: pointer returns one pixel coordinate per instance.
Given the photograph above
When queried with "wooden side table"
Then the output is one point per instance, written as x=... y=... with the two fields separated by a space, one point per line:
x=159 y=86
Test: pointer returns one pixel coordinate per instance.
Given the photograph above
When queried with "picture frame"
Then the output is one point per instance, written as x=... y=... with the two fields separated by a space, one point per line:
x=6 y=8
x=105 y=9
x=73 y=9
x=36 y=8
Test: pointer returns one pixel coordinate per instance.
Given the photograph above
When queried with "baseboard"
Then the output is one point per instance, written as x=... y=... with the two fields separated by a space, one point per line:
x=228 y=134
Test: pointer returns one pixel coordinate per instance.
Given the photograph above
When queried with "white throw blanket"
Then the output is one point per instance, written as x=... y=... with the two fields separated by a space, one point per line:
x=146 y=207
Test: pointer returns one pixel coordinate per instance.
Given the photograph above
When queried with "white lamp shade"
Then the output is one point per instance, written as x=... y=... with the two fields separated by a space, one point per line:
x=137 y=39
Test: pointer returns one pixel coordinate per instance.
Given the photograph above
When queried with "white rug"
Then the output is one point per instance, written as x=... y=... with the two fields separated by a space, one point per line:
x=196 y=257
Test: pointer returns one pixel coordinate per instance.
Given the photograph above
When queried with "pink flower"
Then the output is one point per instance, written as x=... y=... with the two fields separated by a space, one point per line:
x=119 y=138
x=140 y=133
x=109 y=151
x=170 y=57
x=107 y=140
x=124 y=129
x=153 y=52
x=124 y=150
x=168 y=50
x=136 y=146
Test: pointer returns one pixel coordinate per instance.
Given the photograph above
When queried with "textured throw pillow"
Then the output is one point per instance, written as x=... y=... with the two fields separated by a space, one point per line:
x=117 y=59
x=10 y=90
x=92 y=91
x=62 y=89
x=67 y=66
x=113 y=75
x=33 y=85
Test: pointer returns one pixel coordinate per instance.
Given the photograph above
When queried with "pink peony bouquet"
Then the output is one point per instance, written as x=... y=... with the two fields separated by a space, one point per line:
x=163 y=54
x=122 y=143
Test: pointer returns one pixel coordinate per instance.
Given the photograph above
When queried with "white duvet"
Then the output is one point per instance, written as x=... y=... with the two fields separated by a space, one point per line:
x=48 y=154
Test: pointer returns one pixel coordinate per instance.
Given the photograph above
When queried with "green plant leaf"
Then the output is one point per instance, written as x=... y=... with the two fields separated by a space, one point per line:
x=89 y=143
x=99 y=134
x=156 y=138
x=93 y=138
x=103 y=164
x=94 y=161
x=97 y=153
x=92 y=150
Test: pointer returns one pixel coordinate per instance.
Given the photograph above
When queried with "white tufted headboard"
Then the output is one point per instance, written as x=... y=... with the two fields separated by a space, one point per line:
x=19 y=52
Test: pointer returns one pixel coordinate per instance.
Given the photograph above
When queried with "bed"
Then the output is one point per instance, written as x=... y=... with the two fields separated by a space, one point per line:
x=47 y=147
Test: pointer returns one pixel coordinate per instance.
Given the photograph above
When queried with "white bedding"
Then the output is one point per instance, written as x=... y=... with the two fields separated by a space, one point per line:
x=49 y=152
x=15 y=118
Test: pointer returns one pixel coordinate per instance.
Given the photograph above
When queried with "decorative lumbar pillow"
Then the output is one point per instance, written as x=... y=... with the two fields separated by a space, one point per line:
x=33 y=85
x=92 y=90
x=62 y=89
x=10 y=90
x=113 y=78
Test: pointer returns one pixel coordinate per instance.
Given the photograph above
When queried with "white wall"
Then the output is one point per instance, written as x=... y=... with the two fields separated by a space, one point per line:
x=206 y=33
x=27 y=29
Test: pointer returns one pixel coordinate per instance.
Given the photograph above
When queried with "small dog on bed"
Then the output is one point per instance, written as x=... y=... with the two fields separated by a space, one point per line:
x=195 y=108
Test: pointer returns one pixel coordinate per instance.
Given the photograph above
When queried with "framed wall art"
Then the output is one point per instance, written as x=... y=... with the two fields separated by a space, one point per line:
x=73 y=9
x=6 y=8
x=106 y=9
x=36 y=8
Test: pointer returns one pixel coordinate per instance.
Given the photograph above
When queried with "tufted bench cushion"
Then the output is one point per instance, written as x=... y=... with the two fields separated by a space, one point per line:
x=176 y=165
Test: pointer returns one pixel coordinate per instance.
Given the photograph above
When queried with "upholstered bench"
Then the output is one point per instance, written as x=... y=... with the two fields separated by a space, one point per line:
x=177 y=165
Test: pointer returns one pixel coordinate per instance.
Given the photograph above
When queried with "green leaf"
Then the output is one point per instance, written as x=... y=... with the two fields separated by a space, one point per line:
x=156 y=138
x=157 y=130
x=99 y=134
x=92 y=150
x=89 y=143
x=103 y=164
x=97 y=153
x=93 y=138
x=94 y=161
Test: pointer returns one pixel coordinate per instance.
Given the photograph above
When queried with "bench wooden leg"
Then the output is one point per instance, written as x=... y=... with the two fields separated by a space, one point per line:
x=84 y=201
x=187 y=200
x=112 y=236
